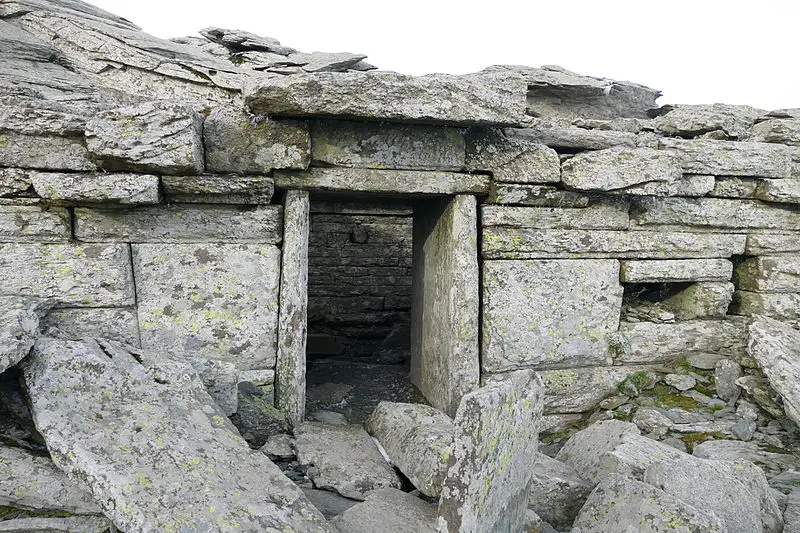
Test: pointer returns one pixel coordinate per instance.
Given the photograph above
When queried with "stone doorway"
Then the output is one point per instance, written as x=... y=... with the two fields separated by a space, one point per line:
x=392 y=304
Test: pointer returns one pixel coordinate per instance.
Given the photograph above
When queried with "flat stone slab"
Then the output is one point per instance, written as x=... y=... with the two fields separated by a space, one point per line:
x=158 y=137
x=219 y=189
x=694 y=120
x=44 y=152
x=70 y=524
x=384 y=146
x=772 y=243
x=389 y=510
x=769 y=274
x=534 y=195
x=124 y=189
x=779 y=190
x=618 y=168
x=774 y=346
x=548 y=314
x=526 y=243
x=76 y=275
x=735 y=215
x=484 y=98
x=382 y=181
x=216 y=301
x=116 y=323
x=19 y=327
x=417 y=438
x=608 y=216
x=21 y=223
x=675 y=270
x=180 y=223
x=32 y=482
x=724 y=158
x=152 y=446
x=343 y=458
x=512 y=157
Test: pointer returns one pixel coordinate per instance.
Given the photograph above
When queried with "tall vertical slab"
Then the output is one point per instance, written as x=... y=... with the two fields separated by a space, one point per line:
x=445 y=301
x=290 y=393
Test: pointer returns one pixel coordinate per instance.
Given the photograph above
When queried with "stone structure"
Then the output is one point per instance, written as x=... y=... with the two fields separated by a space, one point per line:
x=226 y=206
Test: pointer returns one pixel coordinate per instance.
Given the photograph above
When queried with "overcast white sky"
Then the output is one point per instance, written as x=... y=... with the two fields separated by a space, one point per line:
x=695 y=51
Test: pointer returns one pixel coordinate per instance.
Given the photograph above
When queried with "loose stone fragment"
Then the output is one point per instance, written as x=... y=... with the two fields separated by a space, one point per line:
x=769 y=274
x=598 y=216
x=20 y=223
x=219 y=190
x=70 y=524
x=774 y=346
x=713 y=212
x=512 y=157
x=484 y=98
x=618 y=168
x=243 y=144
x=676 y=270
x=133 y=436
x=237 y=40
x=384 y=146
x=14 y=181
x=389 y=510
x=496 y=438
x=342 y=458
x=706 y=299
x=534 y=195
x=158 y=137
x=216 y=301
x=546 y=314
x=557 y=492
x=726 y=372
x=724 y=158
x=681 y=382
x=783 y=306
x=418 y=440
x=72 y=323
x=125 y=189
x=256 y=417
x=325 y=62
x=694 y=120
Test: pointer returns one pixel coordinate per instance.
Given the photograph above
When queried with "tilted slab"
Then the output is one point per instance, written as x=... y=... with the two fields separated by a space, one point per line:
x=484 y=98
x=151 y=445
x=774 y=346
x=675 y=270
x=598 y=216
x=19 y=323
x=769 y=274
x=713 y=213
x=382 y=181
x=34 y=224
x=728 y=158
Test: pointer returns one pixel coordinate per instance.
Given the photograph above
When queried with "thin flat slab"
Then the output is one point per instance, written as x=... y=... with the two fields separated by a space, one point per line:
x=70 y=524
x=154 y=449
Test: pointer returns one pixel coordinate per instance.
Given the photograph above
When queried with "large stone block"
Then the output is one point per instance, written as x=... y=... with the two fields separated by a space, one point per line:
x=772 y=243
x=774 y=346
x=219 y=189
x=557 y=493
x=675 y=270
x=49 y=152
x=713 y=213
x=769 y=274
x=549 y=314
x=512 y=157
x=782 y=305
x=180 y=223
x=118 y=324
x=484 y=98
x=237 y=142
x=727 y=158
x=618 y=168
x=399 y=146
x=74 y=275
x=526 y=243
x=705 y=299
x=382 y=181
x=126 y=189
x=777 y=130
x=534 y=195
x=647 y=342
x=694 y=120
x=34 y=224
x=598 y=216
x=158 y=137
x=217 y=301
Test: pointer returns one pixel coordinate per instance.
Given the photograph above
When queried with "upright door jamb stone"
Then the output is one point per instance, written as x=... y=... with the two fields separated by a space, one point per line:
x=445 y=359
x=290 y=379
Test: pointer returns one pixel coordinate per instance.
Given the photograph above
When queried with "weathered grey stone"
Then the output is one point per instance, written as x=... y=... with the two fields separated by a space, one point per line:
x=783 y=305
x=772 y=243
x=256 y=417
x=693 y=120
x=325 y=62
x=737 y=493
x=417 y=438
x=240 y=143
x=647 y=342
x=777 y=130
x=19 y=320
x=534 y=195
x=557 y=492
x=691 y=185
x=219 y=189
x=342 y=458
x=238 y=40
x=705 y=299
x=14 y=181
x=526 y=243
x=676 y=270
x=126 y=189
x=566 y=136
x=780 y=190
x=774 y=346
x=34 y=224
x=50 y=152
x=769 y=274
x=117 y=324
x=378 y=145
x=179 y=223
x=329 y=503
x=293 y=308
x=280 y=446
x=445 y=350
x=623 y=504
x=221 y=379
x=70 y=524
x=496 y=438
x=159 y=137
x=733 y=450
x=389 y=510
x=618 y=168
x=734 y=215
x=216 y=301
x=731 y=158
x=382 y=181
x=484 y=98
x=734 y=187
x=598 y=216
x=148 y=440
x=74 y=275
x=682 y=382
x=35 y=483
x=512 y=157
x=759 y=391
x=726 y=372
x=546 y=314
